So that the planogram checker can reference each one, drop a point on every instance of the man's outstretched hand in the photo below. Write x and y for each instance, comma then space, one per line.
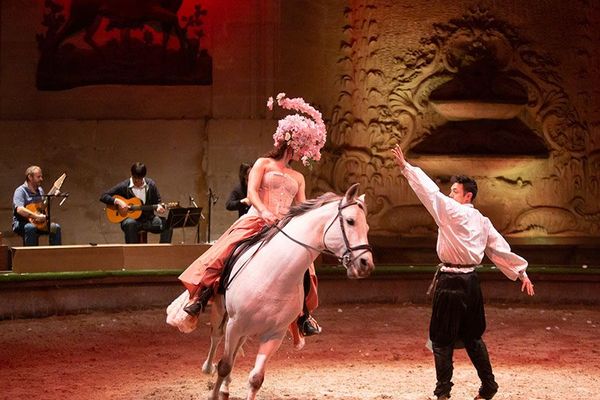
399, 156
527, 286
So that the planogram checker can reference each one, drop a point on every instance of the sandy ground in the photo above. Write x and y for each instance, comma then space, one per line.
365, 352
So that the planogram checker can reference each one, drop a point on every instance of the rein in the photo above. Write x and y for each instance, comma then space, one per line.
347, 257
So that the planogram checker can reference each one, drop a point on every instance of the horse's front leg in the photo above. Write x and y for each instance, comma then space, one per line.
224, 391
217, 330
257, 375
233, 341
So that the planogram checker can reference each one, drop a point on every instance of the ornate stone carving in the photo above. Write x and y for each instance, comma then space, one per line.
390, 96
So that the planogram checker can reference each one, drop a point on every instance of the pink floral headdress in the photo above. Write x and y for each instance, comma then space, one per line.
306, 136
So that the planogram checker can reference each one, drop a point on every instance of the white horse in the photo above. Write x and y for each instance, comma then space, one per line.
264, 293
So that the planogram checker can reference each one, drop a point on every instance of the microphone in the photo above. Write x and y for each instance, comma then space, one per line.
212, 197
193, 202
64, 195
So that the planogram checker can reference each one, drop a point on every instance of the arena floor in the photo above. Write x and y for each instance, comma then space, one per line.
373, 351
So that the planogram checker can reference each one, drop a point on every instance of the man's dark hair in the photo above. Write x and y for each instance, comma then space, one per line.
469, 184
138, 170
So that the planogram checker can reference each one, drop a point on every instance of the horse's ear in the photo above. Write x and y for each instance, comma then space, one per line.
351, 192
361, 198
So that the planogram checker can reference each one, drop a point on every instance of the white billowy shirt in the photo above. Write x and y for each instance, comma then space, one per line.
464, 234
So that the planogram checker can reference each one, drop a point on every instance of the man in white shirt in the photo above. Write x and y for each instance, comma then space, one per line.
464, 236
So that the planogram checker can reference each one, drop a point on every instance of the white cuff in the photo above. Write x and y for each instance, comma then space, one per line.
522, 275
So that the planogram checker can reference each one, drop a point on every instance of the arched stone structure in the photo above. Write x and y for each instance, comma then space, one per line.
469, 75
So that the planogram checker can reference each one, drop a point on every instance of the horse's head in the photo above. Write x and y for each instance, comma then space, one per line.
346, 235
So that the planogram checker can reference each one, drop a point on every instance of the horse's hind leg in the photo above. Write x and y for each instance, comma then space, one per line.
297, 338
217, 329
257, 375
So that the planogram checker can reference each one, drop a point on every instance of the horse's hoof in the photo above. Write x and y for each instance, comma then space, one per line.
299, 345
223, 396
209, 369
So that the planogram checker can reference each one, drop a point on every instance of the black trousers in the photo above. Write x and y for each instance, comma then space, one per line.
457, 319
155, 224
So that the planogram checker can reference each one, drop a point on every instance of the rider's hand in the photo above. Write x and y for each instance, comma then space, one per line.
268, 216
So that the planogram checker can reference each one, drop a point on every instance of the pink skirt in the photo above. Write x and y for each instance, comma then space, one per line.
206, 269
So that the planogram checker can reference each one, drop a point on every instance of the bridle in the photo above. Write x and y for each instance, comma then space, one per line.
347, 258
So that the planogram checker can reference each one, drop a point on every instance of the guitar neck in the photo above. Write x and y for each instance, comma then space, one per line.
145, 207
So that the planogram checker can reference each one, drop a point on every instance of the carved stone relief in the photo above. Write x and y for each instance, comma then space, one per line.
474, 98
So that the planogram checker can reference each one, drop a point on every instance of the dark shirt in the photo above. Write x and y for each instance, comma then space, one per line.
122, 189
234, 201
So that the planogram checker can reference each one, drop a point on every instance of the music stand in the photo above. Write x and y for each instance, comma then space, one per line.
181, 217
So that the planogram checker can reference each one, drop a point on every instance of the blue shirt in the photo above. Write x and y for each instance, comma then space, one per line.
21, 198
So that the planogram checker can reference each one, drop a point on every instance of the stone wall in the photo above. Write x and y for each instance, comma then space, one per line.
382, 72
192, 138
502, 91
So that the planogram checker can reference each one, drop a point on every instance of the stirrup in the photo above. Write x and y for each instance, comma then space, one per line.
308, 325
198, 306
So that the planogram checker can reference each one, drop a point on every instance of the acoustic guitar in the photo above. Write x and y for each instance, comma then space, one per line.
135, 209
41, 206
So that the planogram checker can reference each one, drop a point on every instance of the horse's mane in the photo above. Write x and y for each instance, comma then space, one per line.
308, 205
298, 210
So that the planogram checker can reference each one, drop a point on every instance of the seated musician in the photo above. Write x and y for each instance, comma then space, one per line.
146, 190
30, 222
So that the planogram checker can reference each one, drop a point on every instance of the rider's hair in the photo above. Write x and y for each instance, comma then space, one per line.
277, 152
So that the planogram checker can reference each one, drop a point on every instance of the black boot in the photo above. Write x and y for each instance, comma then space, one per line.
199, 305
308, 325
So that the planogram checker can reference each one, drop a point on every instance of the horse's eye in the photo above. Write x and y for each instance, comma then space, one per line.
350, 221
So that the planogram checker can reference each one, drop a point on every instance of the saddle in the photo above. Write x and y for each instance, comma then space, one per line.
240, 248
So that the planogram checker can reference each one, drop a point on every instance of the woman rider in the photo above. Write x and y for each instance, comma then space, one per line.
272, 188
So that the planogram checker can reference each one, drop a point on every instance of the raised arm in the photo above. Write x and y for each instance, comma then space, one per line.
439, 205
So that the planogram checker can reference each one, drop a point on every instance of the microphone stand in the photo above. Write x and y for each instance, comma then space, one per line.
193, 203
48, 198
212, 199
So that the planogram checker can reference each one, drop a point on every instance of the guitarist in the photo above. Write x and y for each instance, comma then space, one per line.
145, 189
25, 220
